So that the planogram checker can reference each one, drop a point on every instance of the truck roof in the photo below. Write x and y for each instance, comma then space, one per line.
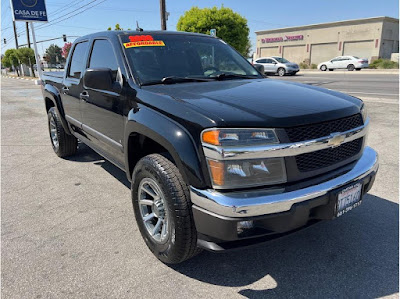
112, 33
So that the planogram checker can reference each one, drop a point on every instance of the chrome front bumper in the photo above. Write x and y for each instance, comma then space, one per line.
263, 202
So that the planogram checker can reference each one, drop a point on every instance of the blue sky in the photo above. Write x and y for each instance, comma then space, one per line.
260, 14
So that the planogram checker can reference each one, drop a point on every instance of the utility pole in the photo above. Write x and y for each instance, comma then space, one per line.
27, 35
163, 15
15, 35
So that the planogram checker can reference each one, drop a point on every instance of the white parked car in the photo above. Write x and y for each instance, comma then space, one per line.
350, 63
277, 65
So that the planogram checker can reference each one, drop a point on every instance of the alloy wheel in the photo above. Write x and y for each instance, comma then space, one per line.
153, 210
53, 133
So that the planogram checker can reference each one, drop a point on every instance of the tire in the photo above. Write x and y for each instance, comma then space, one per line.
331, 70
350, 67
176, 237
64, 145
323, 68
281, 72
358, 69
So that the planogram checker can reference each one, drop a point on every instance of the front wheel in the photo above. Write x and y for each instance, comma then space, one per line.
323, 68
64, 145
281, 72
162, 207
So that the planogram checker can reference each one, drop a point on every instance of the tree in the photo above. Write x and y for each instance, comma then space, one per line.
230, 26
117, 27
26, 56
65, 50
11, 59
53, 54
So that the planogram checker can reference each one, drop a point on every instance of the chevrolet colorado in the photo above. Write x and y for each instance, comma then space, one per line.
218, 155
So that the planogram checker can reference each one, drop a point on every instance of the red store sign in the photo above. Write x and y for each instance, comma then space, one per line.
282, 39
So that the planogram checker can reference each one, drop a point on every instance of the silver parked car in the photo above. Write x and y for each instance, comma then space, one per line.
278, 65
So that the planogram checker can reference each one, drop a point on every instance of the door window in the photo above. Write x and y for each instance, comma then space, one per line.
261, 61
103, 56
269, 61
78, 60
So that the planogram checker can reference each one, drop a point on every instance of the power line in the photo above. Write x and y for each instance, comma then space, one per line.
64, 19
55, 22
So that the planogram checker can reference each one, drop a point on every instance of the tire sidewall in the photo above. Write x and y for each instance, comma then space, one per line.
147, 170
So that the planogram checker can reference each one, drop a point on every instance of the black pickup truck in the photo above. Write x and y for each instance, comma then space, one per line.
218, 155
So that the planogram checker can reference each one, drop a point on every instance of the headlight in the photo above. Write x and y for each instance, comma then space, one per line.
239, 137
233, 174
364, 112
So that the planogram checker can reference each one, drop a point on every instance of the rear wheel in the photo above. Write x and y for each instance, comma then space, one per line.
162, 209
323, 68
64, 145
281, 72
350, 67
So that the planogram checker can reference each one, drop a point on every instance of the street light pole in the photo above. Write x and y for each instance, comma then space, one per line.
163, 15
39, 65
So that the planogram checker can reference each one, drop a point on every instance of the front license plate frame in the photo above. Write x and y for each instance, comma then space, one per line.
348, 198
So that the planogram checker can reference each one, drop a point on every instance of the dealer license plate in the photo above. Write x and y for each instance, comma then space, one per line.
348, 199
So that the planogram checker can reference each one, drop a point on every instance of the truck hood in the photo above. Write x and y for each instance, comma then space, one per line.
260, 102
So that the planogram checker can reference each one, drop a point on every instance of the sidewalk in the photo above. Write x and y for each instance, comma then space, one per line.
363, 71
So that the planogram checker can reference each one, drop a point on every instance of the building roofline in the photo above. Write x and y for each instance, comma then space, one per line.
329, 24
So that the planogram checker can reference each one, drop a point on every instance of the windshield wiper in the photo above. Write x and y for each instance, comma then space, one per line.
224, 76
174, 79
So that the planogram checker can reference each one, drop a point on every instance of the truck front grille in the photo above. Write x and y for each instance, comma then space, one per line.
314, 131
327, 157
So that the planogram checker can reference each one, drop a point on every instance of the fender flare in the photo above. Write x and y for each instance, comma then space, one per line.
52, 93
173, 137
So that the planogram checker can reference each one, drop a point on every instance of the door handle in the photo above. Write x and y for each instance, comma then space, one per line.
84, 96
65, 89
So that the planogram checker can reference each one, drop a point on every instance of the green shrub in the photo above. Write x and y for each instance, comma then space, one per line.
383, 64
303, 65
314, 66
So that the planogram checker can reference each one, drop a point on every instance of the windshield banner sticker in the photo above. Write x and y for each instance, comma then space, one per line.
150, 43
143, 41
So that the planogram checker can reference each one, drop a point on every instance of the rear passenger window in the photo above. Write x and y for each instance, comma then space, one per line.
261, 61
78, 60
103, 56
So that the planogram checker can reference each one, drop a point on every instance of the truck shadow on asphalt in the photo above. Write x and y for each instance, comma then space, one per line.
353, 256
87, 155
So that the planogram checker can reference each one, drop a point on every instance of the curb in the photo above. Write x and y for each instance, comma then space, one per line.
367, 71
19, 78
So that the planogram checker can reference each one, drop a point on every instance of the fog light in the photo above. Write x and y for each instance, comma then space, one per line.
245, 225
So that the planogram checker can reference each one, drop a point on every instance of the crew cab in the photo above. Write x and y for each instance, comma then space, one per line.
218, 155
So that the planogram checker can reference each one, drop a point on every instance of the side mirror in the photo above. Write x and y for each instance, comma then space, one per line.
99, 78
274, 62
259, 68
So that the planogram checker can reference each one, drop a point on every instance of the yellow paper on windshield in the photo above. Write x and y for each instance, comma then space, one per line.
149, 43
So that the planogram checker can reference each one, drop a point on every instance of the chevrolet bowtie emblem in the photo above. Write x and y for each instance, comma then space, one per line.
336, 140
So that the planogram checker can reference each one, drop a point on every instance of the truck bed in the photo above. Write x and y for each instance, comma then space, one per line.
53, 78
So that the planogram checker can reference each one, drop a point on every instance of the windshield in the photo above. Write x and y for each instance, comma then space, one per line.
281, 60
157, 56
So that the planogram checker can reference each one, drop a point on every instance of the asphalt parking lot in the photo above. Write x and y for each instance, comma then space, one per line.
68, 229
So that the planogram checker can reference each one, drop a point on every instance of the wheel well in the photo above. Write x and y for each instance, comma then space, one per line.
49, 103
140, 146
